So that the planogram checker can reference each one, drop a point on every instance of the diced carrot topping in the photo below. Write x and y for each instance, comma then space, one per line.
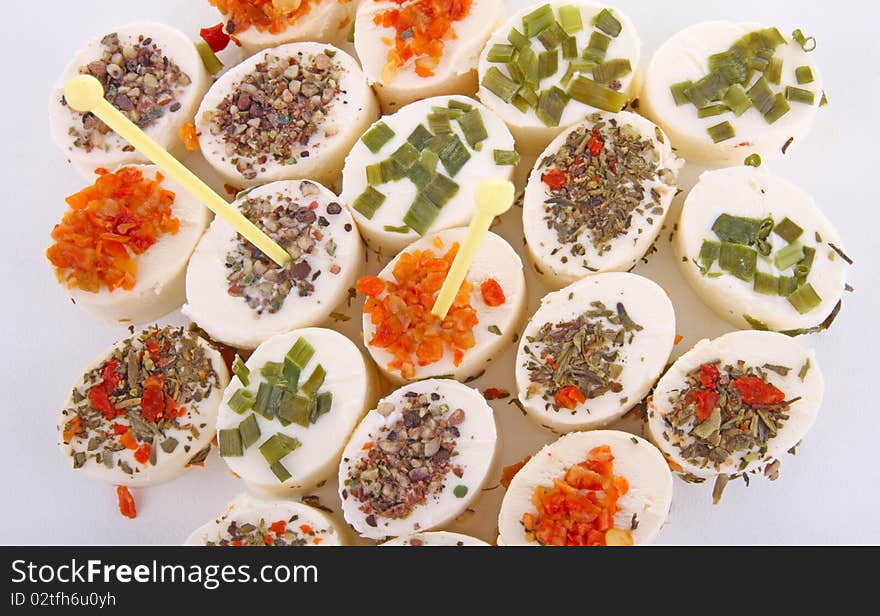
126, 502
271, 16
142, 454
569, 398
107, 226
509, 472
127, 441
371, 286
190, 137
580, 507
317, 540
72, 428
493, 294
306, 529
279, 527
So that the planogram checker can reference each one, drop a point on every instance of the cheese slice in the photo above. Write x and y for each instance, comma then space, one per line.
437, 539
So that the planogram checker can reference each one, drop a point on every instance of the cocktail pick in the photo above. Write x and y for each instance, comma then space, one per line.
493, 197
85, 94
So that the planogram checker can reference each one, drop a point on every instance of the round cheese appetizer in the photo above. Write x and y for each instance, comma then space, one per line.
588, 488
575, 225
258, 24
594, 350
286, 113
409, 343
241, 298
416, 171
123, 246
152, 73
251, 522
759, 252
553, 64
418, 460
412, 50
288, 411
437, 539
146, 409
723, 91
734, 404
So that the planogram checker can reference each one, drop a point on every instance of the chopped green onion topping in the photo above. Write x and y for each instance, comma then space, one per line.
706, 90
241, 371
802, 271
212, 63
712, 111
368, 202
501, 52
608, 23
610, 70
737, 100
241, 401
377, 137
321, 406
440, 190
548, 63
588, 92
678, 92
774, 71
551, 104
290, 374
422, 172
739, 229
461, 105
261, 404
779, 109
597, 47
570, 18
473, 128
788, 230
739, 260
535, 22
787, 285
729, 66
527, 63
500, 84
271, 371
506, 157
420, 137
405, 155
762, 96
789, 256
316, 379
375, 175
552, 36
421, 214
301, 352
393, 229
517, 38
569, 48
766, 284
249, 430
799, 95
295, 409
722, 132
807, 43
804, 75
439, 124
805, 299
754, 160
452, 152
709, 253
278, 446
229, 442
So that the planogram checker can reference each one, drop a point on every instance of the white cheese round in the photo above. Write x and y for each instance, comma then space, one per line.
161, 270
756, 349
467, 464
755, 193
646, 502
562, 262
334, 254
437, 539
191, 432
113, 151
349, 379
496, 260
386, 230
351, 110
304, 526
531, 133
685, 57
641, 352
456, 70
324, 21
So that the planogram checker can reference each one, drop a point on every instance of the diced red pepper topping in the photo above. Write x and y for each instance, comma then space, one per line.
554, 178
279, 527
99, 399
215, 37
493, 294
706, 400
569, 398
596, 143
753, 390
153, 398
126, 502
709, 376
142, 454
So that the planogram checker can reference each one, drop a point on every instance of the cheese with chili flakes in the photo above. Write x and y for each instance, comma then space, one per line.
496, 260
275, 522
436, 539
684, 57
756, 349
177, 47
556, 264
643, 354
437, 55
639, 463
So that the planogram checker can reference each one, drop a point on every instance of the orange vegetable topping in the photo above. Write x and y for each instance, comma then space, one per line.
579, 509
401, 312
190, 137
71, 428
126, 502
493, 294
142, 454
421, 28
278, 527
271, 16
108, 224
570, 398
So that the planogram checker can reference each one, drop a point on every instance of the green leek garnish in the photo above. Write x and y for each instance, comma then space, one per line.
608, 71
779, 109
789, 256
774, 71
261, 404
368, 202
787, 285
375, 176
608, 23
229, 442
729, 66
799, 95
500, 84
527, 63
788, 230
753, 160
249, 430
241, 371
739, 260
501, 52
737, 100
588, 92
570, 18
706, 90
807, 43
473, 128
420, 137
739, 229
548, 63
709, 253
241, 401
439, 124
313, 384
440, 190
301, 353
517, 39
765, 284
551, 104
506, 157
280, 472
421, 214
678, 92
295, 409
552, 36
762, 96
805, 299
712, 111
321, 406
377, 137
535, 22
420, 173
722, 132
804, 75
452, 152
569, 48
278, 446
405, 155
597, 48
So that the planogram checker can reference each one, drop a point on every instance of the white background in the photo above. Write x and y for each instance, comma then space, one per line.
827, 493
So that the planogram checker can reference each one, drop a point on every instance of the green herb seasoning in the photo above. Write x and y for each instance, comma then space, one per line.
585, 353
262, 534
140, 400
299, 226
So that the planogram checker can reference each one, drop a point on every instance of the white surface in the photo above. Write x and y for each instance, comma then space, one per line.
826, 494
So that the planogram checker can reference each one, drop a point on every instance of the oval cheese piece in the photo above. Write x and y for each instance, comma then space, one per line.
289, 411
759, 252
385, 27
734, 404
642, 482
151, 72
416, 171
575, 226
593, 350
241, 300
418, 460
159, 287
145, 409
437, 539
289, 112
321, 21
686, 58
251, 522
552, 64
478, 326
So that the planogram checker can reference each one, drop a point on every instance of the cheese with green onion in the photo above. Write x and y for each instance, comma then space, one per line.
719, 107
759, 252
306, 392
551, 64
415, 172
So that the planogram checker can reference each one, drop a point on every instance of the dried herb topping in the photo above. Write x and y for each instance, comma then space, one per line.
281, 533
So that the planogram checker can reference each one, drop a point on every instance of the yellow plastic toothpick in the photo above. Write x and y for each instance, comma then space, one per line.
86, 94
493, 198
